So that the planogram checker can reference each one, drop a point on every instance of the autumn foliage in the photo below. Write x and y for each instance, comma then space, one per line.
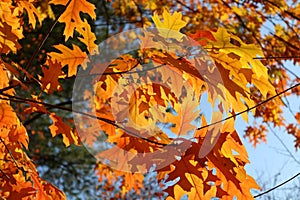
241, 72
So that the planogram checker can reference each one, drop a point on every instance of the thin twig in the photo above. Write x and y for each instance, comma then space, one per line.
276, 57
282, 143
277, 186
108, 121
37, 116
251, 108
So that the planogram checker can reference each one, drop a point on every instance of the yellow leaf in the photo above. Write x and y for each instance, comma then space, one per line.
171, 24
263, 85
45, 10
239, 10
178, 192
245, 54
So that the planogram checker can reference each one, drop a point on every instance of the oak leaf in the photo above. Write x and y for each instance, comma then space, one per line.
60, 127
71, 16
202, 36
8, 40
187, 113
171, 25
247, 54
46, 191
51, 75
10, 28
71, 57
88, 37
32, 12
8, 119
35, 107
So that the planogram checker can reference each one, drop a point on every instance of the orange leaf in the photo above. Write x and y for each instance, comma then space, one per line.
10, 28
297, 117
202, 36
46, 191
4, 79
31, 12
8, 118
59, 127
71, 57
8, 40
18, 134
71, 16
186, 113
51, 76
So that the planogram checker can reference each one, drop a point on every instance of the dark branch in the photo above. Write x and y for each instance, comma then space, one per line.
23, 100
251, 108
277, 186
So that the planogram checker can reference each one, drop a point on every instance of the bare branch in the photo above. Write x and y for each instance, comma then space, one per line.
277, 186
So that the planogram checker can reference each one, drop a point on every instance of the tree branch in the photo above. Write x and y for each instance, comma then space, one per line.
23, 100
277, 186
251, 108
40, 114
